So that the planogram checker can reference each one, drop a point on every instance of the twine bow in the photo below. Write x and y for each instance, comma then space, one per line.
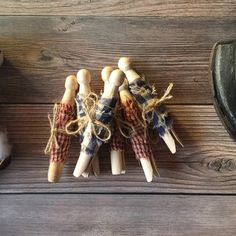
53, 131
90, 103
156, 102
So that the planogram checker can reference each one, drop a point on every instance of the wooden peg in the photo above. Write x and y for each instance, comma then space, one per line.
105, 74
84, 79
115, 80
117, 162
130, 112
56, 167
71, 86
125, 65
116, 156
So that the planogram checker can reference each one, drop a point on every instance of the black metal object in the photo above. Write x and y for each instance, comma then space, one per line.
1, 57
5, 163
223, 80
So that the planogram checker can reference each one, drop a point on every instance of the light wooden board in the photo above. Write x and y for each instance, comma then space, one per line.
120, 8
41, 51
206, 164
108, 215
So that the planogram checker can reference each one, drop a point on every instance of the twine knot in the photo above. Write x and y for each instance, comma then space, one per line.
153, 103
53, 131
90, 103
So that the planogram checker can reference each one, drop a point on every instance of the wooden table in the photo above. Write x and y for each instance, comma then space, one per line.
170, 41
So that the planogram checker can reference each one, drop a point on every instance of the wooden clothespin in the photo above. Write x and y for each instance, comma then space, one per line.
117, 140
92, 142
140, 143
146, 97
84, 79
58, 144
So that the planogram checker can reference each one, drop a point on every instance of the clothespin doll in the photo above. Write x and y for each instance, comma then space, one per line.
59, 141
117, 140
83, 102
147, 99
5, 148
98, 128
139, 141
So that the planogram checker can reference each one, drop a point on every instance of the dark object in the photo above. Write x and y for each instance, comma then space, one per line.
1, 57
223, 79
5, 163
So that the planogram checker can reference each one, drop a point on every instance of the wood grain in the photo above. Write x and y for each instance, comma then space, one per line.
41, 51
117, 215
169, 41
206, 164
120, 8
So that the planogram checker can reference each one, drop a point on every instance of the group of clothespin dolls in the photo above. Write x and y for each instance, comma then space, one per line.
128, 108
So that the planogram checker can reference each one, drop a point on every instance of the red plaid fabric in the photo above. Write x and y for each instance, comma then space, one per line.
64, 114
140, 145
117, 140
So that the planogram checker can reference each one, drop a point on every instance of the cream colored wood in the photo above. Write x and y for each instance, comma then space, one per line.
145, 162
115, 80
55, 168
125, 64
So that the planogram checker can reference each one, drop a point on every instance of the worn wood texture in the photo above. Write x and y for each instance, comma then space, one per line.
41, 51
120, 8
170, 41
117, 215
206, 164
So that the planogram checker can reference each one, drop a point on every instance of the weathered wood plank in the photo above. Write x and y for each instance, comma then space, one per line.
119, 8
117, 215
207, 164
41, 51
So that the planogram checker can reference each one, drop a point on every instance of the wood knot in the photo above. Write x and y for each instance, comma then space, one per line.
45, 56
222, 164
67, 23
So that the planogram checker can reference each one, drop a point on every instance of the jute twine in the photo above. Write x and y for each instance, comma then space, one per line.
155, 102
90, 104
52, 141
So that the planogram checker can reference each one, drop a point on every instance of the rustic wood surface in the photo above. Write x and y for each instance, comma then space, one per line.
169, 41
117, 215
206, 164
41, 51
214, 8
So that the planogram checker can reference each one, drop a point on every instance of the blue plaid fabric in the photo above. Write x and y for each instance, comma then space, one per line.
141, 91
104, 113
79, 104
143, 94
80, 110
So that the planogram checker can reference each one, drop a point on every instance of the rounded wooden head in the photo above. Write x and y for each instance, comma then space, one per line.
116, 78
124, 64
83, 76
71, 83
124, 86
106, 72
